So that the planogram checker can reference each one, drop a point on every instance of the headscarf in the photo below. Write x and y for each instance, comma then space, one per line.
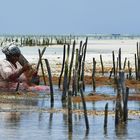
11, 49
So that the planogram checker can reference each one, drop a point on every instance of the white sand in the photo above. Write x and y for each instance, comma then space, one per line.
54, 53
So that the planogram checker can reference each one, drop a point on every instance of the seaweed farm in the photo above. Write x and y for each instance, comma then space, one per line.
94, 89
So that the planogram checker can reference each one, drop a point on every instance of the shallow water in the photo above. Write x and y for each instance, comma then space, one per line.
54, 126
29, 119
108, 90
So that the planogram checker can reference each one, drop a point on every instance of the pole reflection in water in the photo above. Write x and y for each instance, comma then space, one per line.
13, 118
86, 134
105, 132
51, 116
121, 131
50, 121
69, 135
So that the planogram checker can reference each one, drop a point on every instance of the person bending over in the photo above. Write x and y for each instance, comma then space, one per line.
12, 72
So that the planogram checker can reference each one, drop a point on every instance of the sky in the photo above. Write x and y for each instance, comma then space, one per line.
60, 17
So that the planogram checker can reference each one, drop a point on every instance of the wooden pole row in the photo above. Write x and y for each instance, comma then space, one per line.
78, 70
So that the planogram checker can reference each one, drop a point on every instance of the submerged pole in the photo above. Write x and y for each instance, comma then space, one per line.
84, 106
125, 108
69, 112
106, 115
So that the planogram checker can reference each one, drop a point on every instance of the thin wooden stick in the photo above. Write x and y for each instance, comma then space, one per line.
93, 75
40, 57
17, 86
106, 115
102, 64
43, 74
84, 106
50, 79
71, 64
60, 77
69, 112
125, 108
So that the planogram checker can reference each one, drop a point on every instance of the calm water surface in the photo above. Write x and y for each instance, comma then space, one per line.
27, 119
53, 126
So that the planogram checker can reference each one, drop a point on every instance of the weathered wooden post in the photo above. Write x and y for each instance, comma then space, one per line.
122, 82
84, 105
74, 83
40, 57
79, 70
114, 67
129, 71
136, 67
138, 57
42, 68
71, 64
106, 115
117, 66
102, 66
65, 81
17, 87
93, 75
80, 49
110, 73
124, 63
83, 62
50, 80
119, 57
125, 108
118, 109
75, 75
69, 112
60, 77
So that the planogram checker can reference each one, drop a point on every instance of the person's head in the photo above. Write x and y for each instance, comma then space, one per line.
12, 52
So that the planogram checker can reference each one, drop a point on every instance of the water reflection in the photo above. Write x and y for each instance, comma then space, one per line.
12, 119
109, 90
86, 134
70, 136
50, 121
105, 131
54, 125
23, 125
121, 131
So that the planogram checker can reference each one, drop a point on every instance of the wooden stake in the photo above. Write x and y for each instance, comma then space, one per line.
60, 77
84, 106
106, 115
50, 79
69, 112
